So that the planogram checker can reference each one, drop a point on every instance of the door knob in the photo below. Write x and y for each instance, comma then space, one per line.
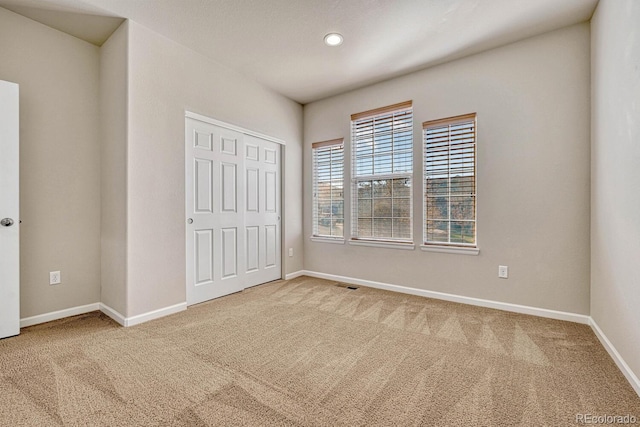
189, 221
6, 222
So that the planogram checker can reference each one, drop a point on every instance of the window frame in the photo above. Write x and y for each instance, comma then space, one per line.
382, 113
450, 247
331, 145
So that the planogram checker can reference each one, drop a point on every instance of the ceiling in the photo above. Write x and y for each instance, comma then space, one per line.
279, 43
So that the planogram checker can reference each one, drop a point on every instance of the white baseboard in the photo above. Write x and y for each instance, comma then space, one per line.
505, 306
294, 275
115, 315
119, 318
141, 318
60, 314
155, 314
617, 358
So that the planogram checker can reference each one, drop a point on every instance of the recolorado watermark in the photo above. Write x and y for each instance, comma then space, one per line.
605, 419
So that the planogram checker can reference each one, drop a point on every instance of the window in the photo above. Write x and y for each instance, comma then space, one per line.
328, 191
382, 145
450, 181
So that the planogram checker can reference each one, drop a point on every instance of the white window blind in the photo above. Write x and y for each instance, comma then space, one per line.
450, 181
328, 190
382, 146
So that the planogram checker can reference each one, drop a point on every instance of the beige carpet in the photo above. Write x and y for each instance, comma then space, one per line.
307, 352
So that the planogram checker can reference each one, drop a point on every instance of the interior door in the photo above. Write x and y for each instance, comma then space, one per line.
9, 211
215, 203
262, 215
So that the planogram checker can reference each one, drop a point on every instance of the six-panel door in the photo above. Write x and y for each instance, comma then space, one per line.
233, 211
262, 214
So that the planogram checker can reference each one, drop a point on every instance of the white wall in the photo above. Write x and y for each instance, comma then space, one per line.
59, 162
615, 175
532, 101
113, 119
165, 79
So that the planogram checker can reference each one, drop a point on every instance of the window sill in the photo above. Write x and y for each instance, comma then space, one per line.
334, 240
450, 249
379, 244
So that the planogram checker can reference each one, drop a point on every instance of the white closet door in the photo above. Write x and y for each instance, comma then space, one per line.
9, 211
233, 211
215, 203
262, 216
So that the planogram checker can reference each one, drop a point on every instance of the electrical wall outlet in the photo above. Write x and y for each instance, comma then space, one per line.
290, 252
503, 272
54, 278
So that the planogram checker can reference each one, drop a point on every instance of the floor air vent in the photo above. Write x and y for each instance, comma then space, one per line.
343, 285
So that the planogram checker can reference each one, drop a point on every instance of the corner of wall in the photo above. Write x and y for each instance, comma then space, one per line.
615, 130
114, 76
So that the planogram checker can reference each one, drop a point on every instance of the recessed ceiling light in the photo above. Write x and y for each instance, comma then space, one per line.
333, 39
